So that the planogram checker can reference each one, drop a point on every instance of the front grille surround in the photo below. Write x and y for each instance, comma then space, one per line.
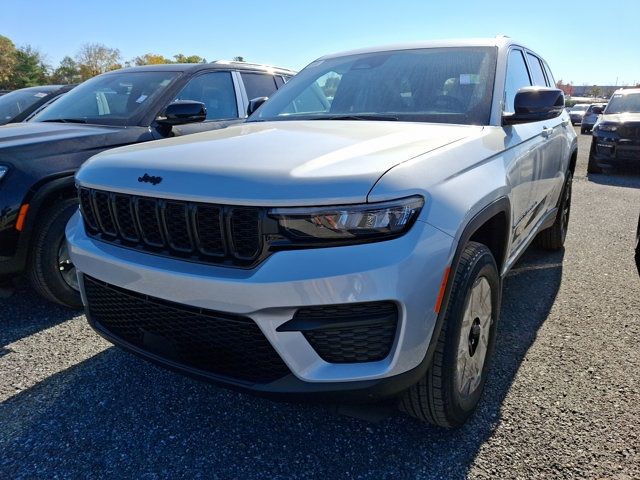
194, 231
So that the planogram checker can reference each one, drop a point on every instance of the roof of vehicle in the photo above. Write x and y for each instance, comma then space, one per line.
626, 91
500, 41
217, 65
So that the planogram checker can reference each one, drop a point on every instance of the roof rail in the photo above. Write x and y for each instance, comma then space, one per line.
250, 64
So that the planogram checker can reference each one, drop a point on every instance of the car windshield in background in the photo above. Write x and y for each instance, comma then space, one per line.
14, 103
621, 103
580, 108
111, 99
443, 85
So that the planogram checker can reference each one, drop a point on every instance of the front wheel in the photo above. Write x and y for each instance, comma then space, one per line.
592, 165
51, 271
450, 390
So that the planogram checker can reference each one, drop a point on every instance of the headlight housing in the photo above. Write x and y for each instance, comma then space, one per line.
3, 171
348, 223
607, 127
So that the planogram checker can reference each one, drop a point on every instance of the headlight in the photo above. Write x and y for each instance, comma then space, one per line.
348, 223
607, 127
3, 171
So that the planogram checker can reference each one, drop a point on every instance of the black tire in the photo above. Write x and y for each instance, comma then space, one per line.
592, 165
435, 398
553, 238
44, 269
583, 131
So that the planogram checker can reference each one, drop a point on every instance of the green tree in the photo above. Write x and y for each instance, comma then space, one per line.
67, 72
30, 68
595, 91
181, 58
7, 61
151, 59
239, 59
96, 58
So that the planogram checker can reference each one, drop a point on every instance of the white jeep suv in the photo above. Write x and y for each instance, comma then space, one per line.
349, 240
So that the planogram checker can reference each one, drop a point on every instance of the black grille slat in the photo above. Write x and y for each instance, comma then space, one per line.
213, 342
209, 230
125, 217
148, 217
177, 224
198, 232
102, 203
244, 226
86, 207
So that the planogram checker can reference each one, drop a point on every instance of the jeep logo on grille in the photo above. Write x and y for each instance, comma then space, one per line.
146, 178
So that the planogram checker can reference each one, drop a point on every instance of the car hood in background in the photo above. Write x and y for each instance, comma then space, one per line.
33, 140
621, 117
272, 163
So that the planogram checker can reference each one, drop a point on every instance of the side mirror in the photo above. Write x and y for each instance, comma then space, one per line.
255, 104
534, 104
597, 110
182, 112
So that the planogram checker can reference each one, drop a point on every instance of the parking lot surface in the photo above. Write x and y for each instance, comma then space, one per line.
562, 401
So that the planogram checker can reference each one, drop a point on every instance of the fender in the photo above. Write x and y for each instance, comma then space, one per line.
36, 201
500, 205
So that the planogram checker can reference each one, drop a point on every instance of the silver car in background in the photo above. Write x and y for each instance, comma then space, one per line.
577, 112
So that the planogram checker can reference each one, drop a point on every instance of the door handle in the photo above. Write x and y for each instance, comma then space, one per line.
546, 131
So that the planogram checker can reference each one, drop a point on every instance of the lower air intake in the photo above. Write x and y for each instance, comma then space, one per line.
222, 344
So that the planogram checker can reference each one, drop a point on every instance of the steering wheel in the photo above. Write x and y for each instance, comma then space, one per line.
449, 103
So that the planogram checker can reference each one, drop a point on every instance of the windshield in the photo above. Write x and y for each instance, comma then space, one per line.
111, 99
443, 85
580, 108
621, 103
14, 103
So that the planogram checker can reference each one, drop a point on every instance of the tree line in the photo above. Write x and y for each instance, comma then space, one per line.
25, 66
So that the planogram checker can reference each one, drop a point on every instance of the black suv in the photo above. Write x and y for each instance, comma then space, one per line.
616, 134
38, 159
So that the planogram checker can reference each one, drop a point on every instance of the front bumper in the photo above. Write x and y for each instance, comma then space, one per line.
611, 150
407, 270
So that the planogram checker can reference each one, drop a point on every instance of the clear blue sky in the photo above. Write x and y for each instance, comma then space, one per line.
581, 40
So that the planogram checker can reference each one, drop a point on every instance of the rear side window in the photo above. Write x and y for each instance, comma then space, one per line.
215, 90
517, 78
552, 81
537, 73
258, 84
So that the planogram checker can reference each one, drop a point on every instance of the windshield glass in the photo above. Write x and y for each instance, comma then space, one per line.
444, 85
14, 103
620, 103
111, 99
580, 108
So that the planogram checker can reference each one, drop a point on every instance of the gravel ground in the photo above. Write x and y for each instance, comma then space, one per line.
563, 400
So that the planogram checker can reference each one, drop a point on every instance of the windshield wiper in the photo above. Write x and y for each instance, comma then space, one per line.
66, 120
362, 116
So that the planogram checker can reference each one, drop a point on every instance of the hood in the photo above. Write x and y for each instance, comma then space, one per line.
280, 163
43, 139
621, 117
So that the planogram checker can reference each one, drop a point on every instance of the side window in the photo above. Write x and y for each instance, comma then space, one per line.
258, 84
552, 81
279, 81
216, 91
536, 70
517, 78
